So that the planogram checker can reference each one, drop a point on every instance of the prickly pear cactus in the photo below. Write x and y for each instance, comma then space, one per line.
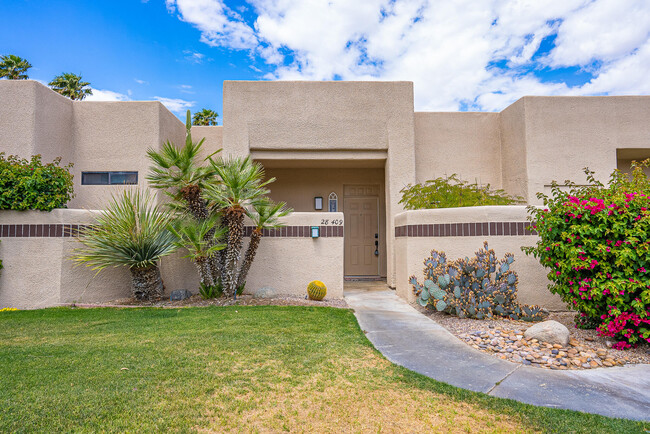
467, 288
316, 290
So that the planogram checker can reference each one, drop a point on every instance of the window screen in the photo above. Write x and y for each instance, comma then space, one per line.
123, 177
109, 178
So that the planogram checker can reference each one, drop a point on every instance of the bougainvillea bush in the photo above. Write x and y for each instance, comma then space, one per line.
594, 240
30, 184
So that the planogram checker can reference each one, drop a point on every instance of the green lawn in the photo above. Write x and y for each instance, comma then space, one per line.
260, 369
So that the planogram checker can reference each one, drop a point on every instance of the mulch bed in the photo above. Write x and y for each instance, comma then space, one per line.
242, 300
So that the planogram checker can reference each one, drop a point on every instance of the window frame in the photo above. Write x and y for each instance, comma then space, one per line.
110, 176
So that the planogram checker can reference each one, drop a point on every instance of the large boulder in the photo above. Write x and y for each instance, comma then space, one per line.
549, 331
180, 294
265, 292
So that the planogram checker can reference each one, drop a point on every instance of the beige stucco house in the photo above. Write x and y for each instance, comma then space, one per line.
350, 146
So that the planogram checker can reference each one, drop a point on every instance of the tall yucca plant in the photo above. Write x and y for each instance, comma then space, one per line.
178, 171
132, 231
241, 184
201, 239
265, 215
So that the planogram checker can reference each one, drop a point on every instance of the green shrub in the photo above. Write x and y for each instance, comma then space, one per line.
30, 184
594, 240
452, 192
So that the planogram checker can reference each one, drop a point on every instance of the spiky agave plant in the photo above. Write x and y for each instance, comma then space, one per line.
132, 231
266, 215
180, 174
242, 182
201, 239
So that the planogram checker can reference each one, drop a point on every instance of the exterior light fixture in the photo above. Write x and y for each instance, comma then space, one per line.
318, 203
315, 232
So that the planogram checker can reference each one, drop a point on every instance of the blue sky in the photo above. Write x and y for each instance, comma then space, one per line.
460, 54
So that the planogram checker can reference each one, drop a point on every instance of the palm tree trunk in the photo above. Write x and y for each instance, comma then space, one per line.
233, 249
249, 256
147, 283
205, 274
218, 259
195, 202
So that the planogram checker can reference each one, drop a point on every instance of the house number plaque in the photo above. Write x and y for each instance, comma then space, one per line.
328, 222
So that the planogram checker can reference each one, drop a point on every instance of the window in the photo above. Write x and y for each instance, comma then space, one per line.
333, 202
109, 178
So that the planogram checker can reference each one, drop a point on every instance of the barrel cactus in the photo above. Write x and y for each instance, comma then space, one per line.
467, 288
316, 290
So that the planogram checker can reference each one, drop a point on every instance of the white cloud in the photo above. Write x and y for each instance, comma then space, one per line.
186, 88
448, 48
604, 30
219, 25
194, 56
175, 105
140, 81
106, 95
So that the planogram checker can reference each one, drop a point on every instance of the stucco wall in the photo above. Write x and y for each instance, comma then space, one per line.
514, 171
113, 136
565, 134
412, 250
468, 144
213, 136
38, 274
34, 120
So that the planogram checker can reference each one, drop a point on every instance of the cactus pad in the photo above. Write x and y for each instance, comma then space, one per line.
316, 290
480, 287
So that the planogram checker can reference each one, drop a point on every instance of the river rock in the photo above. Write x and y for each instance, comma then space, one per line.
548, 331
265, 292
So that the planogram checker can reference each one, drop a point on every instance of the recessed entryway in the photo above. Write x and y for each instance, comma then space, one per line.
361, 211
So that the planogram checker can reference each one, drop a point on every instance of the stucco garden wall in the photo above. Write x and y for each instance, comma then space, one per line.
460, 232
467, 144
35, 246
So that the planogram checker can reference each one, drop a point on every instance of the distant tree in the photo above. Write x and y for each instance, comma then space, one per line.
13, 67
205, 117
70, 85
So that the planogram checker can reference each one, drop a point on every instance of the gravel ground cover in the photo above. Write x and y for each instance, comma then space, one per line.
503, 338
242, 300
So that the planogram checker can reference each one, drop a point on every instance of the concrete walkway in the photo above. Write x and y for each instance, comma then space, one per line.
410, 339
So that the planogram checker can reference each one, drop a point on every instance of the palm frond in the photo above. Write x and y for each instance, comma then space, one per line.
241, 183
175, 168
199, 238
266, 213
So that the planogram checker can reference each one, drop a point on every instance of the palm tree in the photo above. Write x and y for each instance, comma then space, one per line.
266, 215
201, 239
241, 184
70, 85
13, 67
132, 231
205, 117
179, 173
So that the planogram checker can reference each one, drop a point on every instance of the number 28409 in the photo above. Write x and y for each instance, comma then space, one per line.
335, 222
